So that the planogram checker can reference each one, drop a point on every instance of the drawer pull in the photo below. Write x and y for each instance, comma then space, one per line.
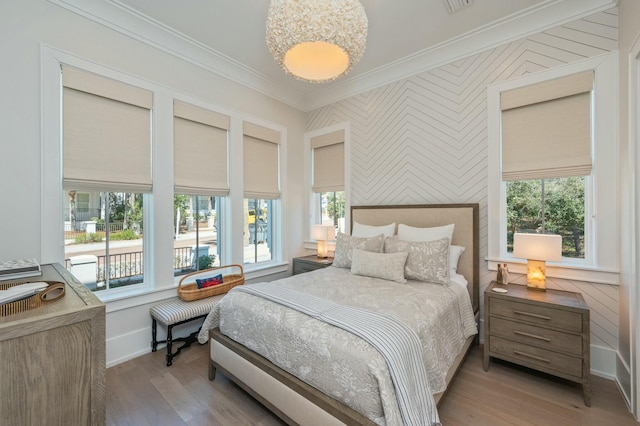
532, 356
528, 314
533, 336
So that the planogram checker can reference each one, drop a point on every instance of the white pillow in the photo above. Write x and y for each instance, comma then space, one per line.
365, 231
458, 280
410, 233
387, 266
454, 256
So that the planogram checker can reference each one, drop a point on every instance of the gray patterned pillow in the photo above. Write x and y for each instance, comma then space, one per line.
388, 266
427, 261
345, 245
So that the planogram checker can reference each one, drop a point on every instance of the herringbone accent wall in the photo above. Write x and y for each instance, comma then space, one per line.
424, 139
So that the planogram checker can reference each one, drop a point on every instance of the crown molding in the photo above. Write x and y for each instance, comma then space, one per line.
114, 15
528, 22
118, 17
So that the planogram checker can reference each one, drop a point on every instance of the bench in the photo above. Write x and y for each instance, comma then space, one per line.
176, 312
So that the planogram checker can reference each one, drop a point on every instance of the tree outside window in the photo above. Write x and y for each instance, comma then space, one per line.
551, 206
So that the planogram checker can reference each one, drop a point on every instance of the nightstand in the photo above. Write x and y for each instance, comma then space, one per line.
310, 263
544, 330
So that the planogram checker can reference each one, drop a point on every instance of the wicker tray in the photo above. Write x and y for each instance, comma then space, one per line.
188, 289
55, 291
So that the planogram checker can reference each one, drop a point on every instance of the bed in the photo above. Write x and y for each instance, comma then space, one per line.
263, 363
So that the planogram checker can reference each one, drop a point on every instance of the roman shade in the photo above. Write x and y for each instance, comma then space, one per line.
546, 129
261, 153
106, 133
200, 150
328, 162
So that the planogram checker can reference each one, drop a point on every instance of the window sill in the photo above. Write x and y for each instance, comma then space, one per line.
567, 272
126, 298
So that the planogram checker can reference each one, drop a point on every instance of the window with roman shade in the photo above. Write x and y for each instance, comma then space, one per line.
106, 133
546, 129
261, 155
328, 162
200, 150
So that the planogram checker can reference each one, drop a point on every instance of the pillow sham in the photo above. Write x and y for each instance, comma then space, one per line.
458, 279
209, 281
387, 266
454, 257
345, 244
411, 233
426, 261
361, 230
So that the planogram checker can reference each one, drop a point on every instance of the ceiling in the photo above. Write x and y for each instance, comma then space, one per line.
404, 37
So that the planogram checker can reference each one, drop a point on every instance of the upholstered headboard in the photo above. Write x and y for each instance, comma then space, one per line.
465, 217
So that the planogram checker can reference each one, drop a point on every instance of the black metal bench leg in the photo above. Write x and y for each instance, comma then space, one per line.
154, 335
169, 344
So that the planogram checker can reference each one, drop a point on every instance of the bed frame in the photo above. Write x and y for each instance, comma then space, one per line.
296, 402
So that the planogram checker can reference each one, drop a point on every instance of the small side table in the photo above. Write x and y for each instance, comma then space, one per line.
310, 263
547, 331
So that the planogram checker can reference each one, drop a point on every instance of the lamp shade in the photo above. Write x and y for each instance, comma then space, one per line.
323, 232
545, 247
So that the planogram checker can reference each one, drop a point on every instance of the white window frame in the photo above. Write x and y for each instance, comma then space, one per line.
601, 218
312, 197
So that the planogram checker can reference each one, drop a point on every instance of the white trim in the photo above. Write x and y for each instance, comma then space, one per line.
118, 17
603, 230
634, 215
568, 272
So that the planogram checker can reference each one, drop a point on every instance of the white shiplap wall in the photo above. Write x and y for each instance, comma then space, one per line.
424, 139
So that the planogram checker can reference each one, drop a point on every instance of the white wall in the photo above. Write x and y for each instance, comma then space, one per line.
27, 25
629, 31
424, 140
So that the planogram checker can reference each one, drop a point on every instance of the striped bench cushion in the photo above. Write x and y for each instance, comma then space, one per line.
174, 311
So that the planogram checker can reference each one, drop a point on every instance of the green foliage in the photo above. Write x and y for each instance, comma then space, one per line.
205, 262
334, 202
562, 212
127, 234
94, 237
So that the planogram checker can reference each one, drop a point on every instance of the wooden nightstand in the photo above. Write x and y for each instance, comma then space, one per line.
310, 263
544, 330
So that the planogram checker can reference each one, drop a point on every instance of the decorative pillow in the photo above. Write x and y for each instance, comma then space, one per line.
427, 261
410, 233
387, 266
209, 281
365, 231
345, 245
454, 256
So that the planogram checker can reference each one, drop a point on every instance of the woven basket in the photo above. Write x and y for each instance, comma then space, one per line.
188, 290
55, 290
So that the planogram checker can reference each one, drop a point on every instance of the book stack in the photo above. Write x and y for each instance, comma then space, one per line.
21, 268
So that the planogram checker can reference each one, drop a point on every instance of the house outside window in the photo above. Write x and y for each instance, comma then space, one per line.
196, 239
258, 233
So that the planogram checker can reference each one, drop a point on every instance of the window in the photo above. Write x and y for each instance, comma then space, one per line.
106, 178
258, 234
331, 209
196, 244
106, 251
523, 195
261, 153
327, 156
548, 206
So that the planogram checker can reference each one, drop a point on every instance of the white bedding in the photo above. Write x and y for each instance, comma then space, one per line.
335, 361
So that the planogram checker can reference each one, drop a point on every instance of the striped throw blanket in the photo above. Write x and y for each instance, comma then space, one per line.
398, 344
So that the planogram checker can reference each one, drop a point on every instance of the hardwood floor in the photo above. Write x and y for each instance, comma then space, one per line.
144, 391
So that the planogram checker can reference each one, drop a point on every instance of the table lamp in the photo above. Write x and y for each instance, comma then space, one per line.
322, 234
537, 249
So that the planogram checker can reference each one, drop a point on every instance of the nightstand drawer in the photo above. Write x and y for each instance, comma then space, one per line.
537, 314
537, 336
537, 358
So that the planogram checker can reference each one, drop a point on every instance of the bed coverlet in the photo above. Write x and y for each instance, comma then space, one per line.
334, 360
